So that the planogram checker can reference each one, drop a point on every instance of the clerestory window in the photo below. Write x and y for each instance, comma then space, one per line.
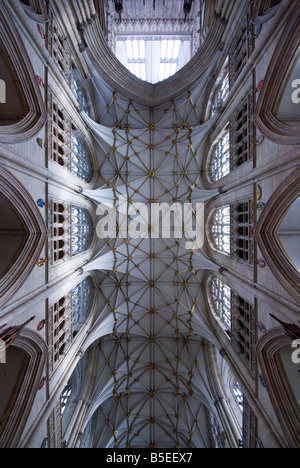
154, 58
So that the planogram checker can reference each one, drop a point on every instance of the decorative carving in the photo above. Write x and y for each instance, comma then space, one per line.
9, 335
291, 330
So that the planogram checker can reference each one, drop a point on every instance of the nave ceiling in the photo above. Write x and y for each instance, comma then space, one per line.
151, 306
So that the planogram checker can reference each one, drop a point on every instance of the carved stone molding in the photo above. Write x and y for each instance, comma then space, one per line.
37, 10
35, 348
25, 79
36, 231
266, 234
269, 99
267, 350
264, 10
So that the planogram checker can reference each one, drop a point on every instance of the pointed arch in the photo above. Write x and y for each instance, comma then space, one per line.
268, 354
31, 350
266, 234
264, 10
36, 9
25, 257
22, 81
266, 113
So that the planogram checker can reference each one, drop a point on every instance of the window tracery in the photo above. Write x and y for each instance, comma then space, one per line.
58, 47
67, 316
221, 91
78, 90
220, 158
81, 230
67, 147
250, 426
242, 231
81, 300
244, 330
241, 131
81, 165
221, 296
71, 231
221, 230
231, 231
238, 319
242, 46
238, 395
65, 397
235, 145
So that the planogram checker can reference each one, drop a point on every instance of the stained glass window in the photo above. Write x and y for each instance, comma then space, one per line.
153, 58
221, 296
221, 230
81, 229
65, 397
81, 300
80, 164
220, 158
78, 91
220, 95
238, 395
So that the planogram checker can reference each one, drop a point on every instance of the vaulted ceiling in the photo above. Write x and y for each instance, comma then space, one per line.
150, 388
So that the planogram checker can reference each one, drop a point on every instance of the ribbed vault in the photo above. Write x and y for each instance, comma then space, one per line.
150, 387
151, 392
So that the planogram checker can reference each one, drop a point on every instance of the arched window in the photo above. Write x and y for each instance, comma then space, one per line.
238, 318
221, 297
221, 230
81, 300
81, 165
242, 46
220, 91
68, 148
71, 231
65, 398
220, 158
244, 330
238, 395
235, 145
231, 231
59, 47
67, 316
78, 90
242, 227
81, 230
